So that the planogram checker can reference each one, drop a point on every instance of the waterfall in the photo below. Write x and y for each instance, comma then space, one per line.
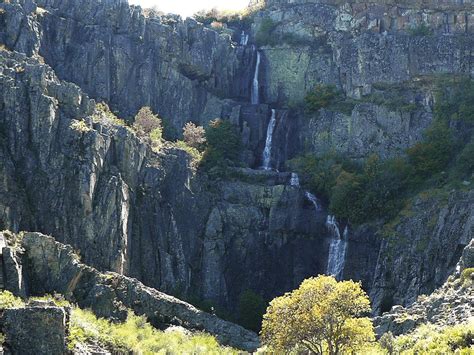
337, 248
313, 199
254, 92
267, 152
295, 180
244, 39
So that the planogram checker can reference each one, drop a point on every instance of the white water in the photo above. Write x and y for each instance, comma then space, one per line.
313, 199
267, 152
244, 39
254, 95
295, 180
337, 248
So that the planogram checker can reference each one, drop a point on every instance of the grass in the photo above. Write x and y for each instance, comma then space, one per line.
135, 335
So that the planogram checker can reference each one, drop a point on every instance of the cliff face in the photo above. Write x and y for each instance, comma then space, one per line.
148, 215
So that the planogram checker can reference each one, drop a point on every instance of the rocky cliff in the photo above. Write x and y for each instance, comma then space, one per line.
69, 171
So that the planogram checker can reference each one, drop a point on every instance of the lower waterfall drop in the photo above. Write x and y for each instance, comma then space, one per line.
267, 152
337, 248
294, 180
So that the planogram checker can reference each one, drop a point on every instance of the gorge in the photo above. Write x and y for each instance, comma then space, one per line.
80, 174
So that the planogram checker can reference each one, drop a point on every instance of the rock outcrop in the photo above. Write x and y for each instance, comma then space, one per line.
35, 329
421, 249
449, 305
143, 214
50, 267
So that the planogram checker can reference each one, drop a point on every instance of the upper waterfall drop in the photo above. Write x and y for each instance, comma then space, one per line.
267, 152
337, 248
254, 97
313, 199
244, 39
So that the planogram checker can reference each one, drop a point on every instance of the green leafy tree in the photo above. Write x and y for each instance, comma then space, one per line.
434, 153
322, 316
223, 144
322, 96
251, 309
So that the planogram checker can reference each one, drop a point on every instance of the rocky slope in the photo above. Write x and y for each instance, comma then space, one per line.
449, 305
146, 215
70, 172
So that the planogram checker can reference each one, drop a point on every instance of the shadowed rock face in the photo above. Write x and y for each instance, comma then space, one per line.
143, 214
148, 215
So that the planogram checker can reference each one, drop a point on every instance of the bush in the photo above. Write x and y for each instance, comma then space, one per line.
251, 310
104, 115
432, 154
223, 144
8, 300
264, 35
464, 165
193, 135
321, 316
321, 97
420, 30
149, 126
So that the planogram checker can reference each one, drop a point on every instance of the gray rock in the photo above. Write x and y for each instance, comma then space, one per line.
35, 330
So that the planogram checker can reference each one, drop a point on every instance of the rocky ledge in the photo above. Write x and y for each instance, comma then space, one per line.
48, 267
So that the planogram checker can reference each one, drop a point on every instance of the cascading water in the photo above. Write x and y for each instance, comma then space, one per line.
313, 199
267, 152
244, 39
254, 95
337, 248
295, 180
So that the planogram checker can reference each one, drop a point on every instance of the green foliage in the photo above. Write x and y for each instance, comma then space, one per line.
195, 154
421, 30
136, 335
455, 100
264, 35
251, 309
432, 154
464, 165
321, 97
8, 300
223, 146
467, 275
321, 316
104, 115
80, 126
429, 339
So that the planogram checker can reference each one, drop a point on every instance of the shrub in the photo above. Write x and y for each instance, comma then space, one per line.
467, 275
8, 300
193, 135
223, 144
432, 154
104, 115
321, 97
264, 35
79, 126
136, 335
149, 126
321, 316
251, 310
420, 30
464, 165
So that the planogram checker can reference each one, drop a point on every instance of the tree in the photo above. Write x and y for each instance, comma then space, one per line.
223, 143
322, 316
193, 135
251, 310
148, 125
